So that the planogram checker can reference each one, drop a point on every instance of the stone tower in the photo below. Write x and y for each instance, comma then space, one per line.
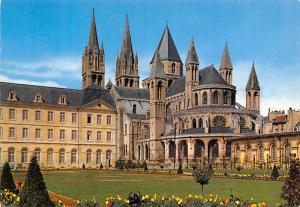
158, 89
226, 66
169, 57
192, 74
126, 63
253, 91
93, 67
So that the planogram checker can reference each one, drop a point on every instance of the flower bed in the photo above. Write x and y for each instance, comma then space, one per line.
8, 198
146, 200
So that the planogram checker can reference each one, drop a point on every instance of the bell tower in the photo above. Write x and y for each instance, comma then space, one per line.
226, 66
93, 68
157, 89
253, 91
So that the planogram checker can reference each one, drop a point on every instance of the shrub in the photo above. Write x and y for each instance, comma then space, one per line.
119, 164
101, 166
83, 166
238, 168
180, 171
202, 177
275, 173
7, 180
34, 193
291, 188
161, 166
145, 166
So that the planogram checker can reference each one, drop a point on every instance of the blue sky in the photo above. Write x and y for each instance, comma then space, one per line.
42, 41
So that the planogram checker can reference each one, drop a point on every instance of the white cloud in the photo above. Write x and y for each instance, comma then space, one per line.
22, 81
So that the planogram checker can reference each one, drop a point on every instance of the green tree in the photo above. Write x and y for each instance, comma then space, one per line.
291, 188
275, 173
34, 193
7, 180
202, 177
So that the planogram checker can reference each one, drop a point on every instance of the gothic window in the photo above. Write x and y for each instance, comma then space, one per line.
126, 82
170, 83
159, 90
134, 109
194, 123
261, 153
287, 152
172, 149
219, 121
131, 83
173, 68
225, 97
242, 122
196, 99
273, 152
204, 98
200, 123
228, 149
215, 97
199, 147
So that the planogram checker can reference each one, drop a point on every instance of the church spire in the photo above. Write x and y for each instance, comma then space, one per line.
93, 38
157, 68
253, 80
126, 49
192, 57
226, 66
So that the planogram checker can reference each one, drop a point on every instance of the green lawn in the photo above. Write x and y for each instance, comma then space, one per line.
98, 184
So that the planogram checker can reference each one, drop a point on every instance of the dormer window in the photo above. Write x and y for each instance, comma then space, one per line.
12, 96
62, 100
38, 98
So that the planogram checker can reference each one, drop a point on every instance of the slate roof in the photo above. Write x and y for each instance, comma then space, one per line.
50, 95
93, 38
126, 50
220, 130
208, 75
135, 93
157, 68
192, 57
253, 80
166, 47
193, 131
298, 124
226, 60
137, 116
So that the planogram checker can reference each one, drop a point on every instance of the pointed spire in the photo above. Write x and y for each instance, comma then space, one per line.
109, 85
157, 68
93, 38
253, 80
166, 47
126, 49
226, 61
192, 57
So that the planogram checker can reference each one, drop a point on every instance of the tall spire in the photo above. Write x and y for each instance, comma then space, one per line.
226, 61
253, 80
192, 57
166, 47
157, 68
126, 42
93, 38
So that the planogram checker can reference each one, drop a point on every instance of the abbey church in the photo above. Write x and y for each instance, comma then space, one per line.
166, 119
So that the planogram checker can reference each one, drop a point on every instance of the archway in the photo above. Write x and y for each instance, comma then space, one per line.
199, 149
213, 149
182, 149
172, 149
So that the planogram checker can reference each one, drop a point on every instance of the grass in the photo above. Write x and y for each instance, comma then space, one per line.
88, 184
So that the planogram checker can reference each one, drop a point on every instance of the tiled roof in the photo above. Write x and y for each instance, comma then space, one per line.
50, 95
157, 68
253, 80
280, 119
136, 93
176, 87
192, 57
226, 61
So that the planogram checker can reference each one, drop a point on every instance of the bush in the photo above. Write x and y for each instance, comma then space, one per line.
238, 168
161, 166
7, 180
202, 177
83, 166
34, 193
180, 171
119, 164
275, 173
145, 166
291, 188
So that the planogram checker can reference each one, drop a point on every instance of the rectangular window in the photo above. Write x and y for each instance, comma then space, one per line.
50, 133
62, 117
108, 138
12, 114
74, 134
89, 135
37, 133
74, 118
24, 155
89, 118
25, 133
50, 116
38, 115
49, 156
11, 155
1, 131
108, 121
62, 134
11, 132
99, 136
98, 119
1, 113
25, 114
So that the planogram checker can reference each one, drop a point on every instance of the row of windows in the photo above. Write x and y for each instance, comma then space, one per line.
50, 134
61, 155
12, 96
62, 116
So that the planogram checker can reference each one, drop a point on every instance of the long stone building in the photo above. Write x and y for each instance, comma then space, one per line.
190, 119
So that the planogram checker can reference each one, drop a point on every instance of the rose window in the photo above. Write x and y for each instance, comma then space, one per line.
219, 121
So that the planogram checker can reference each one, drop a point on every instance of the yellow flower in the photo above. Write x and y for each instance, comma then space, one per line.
106, 202
190, 195
237, 202
221, 203
254, 205
152, 200
143, 198
126, 201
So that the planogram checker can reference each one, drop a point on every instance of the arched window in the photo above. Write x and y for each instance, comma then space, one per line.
159, 90
50, 156
37, 154
204, 98
11, 154
61, 156
173, 68
108, 158
261, 153
215, 97
242, 122
194, 123
126, 82
199, 149
196, 99
273, 152
134, 109
24, 155
200, 123
89, 156
228, 149
172, 149
98, 156
287, 152
131, 83
225, 97
73, 156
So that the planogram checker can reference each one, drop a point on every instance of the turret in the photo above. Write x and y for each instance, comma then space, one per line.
253, 91
226, 66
